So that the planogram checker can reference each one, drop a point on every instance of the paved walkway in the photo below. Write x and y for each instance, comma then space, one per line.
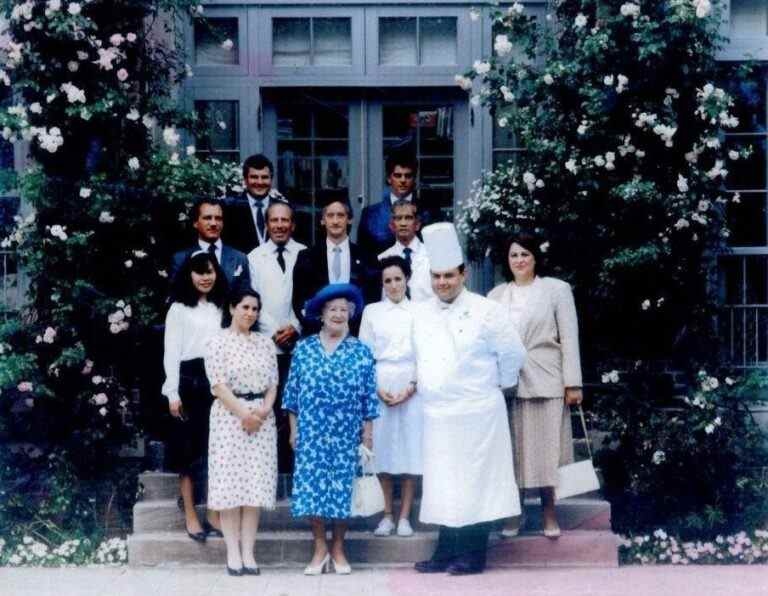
625, 581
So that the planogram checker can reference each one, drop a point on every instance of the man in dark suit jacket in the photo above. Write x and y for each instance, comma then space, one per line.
247, 215
208, 220
333, 260
374, 234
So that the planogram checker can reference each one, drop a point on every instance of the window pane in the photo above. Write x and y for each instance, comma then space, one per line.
503, 138
209, 37
438, 40
333, 42
290, 42
749, 173
397, 39
293, 123
746, 220
332, 123
220, 126
749, 18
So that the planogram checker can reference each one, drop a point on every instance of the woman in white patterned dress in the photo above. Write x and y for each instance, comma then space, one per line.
386, 329
242, 454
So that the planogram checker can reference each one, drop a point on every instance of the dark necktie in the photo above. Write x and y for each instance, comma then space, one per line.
212, 251
407, 254
260, 217
280, 258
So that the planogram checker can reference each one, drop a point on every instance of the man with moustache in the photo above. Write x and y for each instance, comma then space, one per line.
336, 259
271, 266
248, 214
208, 220
467, 353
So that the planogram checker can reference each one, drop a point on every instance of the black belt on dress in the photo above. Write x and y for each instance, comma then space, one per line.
250, 396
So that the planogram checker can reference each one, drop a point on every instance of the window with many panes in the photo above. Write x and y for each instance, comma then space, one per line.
418, 41
313, 159
744, 272
311, 41
220, 125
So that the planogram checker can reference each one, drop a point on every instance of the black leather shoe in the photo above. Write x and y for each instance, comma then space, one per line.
251, 571
464, 567
211, 531
197, 536
235, 572
432, 566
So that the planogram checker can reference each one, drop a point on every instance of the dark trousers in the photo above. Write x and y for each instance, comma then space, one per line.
467, 542
284, 451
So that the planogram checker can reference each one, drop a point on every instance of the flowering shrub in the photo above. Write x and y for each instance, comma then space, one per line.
91, 82
693, 464
660, 548
32, 552
620, 114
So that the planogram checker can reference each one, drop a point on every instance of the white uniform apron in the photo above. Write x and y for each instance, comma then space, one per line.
468, 470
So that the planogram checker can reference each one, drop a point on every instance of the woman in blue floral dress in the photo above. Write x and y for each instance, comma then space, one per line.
331, 399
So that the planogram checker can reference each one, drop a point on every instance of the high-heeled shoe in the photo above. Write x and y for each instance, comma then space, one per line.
235, 572
251, 570
341, 569
320, 568
196, 536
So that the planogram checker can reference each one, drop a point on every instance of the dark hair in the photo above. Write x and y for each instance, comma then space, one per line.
274, 202
403, 159
257, 162
344, 200
530, 242
195, 212
396, 261
401, 203
184, 291
235, 298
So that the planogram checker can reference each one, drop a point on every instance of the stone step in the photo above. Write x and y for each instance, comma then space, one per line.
575, 513
290, 549
578, 548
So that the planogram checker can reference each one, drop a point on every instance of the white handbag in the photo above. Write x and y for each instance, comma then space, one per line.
367, 496
579, 477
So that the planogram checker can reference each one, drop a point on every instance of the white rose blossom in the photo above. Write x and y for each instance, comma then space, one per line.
122, 75
106, 217
481, 68
580, 21
227, 44
502, 46
74, 9
133, 163
85, 192
463, 82
630, 10
682, 183
133, 115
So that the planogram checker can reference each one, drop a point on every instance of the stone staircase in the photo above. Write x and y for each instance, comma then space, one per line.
159, 538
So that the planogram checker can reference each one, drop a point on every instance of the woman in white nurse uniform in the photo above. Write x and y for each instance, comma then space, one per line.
386, 329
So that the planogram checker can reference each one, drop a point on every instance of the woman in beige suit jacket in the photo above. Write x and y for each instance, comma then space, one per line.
550, 380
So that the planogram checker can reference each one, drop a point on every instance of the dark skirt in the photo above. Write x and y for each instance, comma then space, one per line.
187, 445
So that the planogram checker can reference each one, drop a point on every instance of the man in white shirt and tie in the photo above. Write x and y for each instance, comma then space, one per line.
404, 223
249, 214
271, 265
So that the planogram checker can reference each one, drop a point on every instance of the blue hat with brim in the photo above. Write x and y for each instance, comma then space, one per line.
313, 308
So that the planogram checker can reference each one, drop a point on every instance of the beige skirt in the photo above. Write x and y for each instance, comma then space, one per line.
542, 439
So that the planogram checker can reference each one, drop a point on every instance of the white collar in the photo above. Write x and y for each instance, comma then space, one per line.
204, 244
271, 247
403, 304
343, 245
415, 245
394, 198
456, 301
265, 199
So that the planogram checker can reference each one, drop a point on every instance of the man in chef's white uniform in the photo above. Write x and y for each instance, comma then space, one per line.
468, 352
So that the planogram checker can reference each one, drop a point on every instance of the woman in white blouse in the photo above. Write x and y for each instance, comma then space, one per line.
386, 329
194, 318
550, 381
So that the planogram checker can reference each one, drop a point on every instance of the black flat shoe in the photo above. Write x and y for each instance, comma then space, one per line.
251, 571
432, 566
210, 530
235, 572
197, 536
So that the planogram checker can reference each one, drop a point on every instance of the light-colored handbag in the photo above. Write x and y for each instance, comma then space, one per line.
367, 496
579, 477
